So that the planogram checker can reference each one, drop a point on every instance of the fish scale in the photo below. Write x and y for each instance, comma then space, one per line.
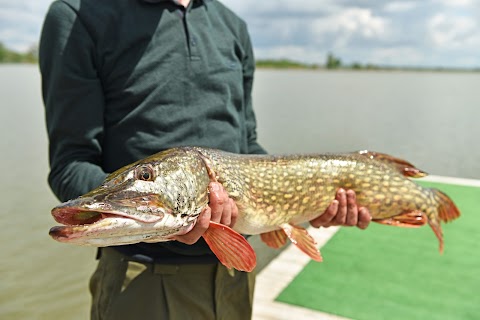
296, 188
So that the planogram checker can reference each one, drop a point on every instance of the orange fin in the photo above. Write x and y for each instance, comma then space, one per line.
300, 237
447, 210
408, 219
437, 229
405, 167
274, 239
230, 247
208, 165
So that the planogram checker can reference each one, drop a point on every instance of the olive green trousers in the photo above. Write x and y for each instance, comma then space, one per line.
126, 290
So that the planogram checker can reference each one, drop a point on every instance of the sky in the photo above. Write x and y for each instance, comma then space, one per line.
428, 33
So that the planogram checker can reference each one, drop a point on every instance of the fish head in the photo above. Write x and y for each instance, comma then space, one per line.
151, 200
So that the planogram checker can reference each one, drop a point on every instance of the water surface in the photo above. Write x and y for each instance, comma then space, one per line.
428, 118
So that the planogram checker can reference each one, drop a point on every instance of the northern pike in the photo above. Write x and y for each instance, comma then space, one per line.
161, 196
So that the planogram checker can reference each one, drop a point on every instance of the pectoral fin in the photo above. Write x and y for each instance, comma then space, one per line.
274, 239
230, 247
300, 237
408, 219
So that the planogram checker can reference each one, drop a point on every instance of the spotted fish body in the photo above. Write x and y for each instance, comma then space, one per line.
273, 194
271, 190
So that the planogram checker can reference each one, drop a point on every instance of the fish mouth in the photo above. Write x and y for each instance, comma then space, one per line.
100, 225
77, 221
87, 210
78, 216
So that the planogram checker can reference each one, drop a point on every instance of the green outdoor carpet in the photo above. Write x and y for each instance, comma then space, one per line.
391, 273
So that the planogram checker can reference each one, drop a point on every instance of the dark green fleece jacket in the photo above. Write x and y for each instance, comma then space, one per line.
123, 79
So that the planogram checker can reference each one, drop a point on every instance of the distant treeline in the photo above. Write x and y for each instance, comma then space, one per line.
335, 63
11, 56
284, 64
332, 62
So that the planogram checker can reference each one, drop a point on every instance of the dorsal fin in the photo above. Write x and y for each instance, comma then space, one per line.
405, 167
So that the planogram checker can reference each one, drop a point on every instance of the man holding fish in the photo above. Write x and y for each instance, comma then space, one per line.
125, 79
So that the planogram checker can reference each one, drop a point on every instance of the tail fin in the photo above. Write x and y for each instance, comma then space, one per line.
446, 212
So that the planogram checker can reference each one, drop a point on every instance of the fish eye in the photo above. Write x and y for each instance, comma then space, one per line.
145, 173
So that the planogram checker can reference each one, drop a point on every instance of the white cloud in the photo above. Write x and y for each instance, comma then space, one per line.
400, 6
274, 7
352, 20
449, 31
21, 22
350, 23
456, 3
445, 32
362, 21
406, 56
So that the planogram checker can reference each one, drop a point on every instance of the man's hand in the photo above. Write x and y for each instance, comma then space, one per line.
343, 211
221, 209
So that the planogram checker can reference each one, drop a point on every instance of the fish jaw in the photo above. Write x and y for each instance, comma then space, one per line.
100, 219
103, 229
86, 210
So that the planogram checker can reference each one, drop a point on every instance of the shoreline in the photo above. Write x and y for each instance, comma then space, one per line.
291, 65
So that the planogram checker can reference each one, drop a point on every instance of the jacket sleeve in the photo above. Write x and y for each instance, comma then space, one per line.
74, 103
250, 120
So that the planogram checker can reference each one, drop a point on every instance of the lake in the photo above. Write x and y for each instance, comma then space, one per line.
431, 119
